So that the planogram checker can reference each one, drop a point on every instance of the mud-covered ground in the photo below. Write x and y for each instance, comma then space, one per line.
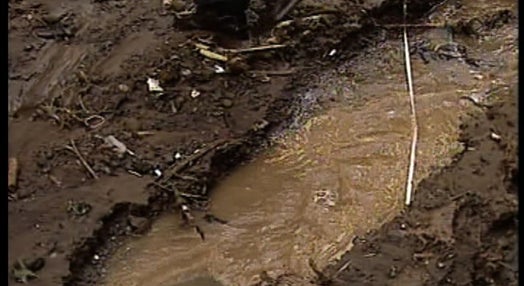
95, 155
462, 226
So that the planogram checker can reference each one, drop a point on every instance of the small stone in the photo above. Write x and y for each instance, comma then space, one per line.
226, 102
123, 88
138, 224
177, 5
54, 17
28, 48
393, 272
441, 265
237, 65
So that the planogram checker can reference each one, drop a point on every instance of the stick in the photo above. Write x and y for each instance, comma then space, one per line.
393, 26
286, 9
75, 150
12, 178
212, 55
255, 49
175, 169
273, 72
182, 194
411, 171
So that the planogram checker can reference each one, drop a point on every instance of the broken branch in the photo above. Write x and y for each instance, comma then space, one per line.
75, 150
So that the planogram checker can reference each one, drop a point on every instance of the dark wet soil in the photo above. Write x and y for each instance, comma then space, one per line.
78, 74
462, 226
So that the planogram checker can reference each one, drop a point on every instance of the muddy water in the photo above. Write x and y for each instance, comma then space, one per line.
339, 176
342, 173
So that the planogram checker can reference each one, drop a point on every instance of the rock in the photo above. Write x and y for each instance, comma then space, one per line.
237, 65
12, 177
226, 102
177, 5
36, 265
123, 88
54, 17
138, 224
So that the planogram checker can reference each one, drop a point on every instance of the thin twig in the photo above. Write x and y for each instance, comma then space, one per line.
274, 72
212, 55
75, 150
411, 171
177, 168
403, 26
255, 49
178, 193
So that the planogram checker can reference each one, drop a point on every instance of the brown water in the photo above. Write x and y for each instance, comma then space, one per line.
341, 174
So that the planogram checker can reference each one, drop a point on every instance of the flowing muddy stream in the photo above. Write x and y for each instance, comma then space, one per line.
340, 174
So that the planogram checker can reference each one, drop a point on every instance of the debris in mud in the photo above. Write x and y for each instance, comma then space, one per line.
185, 213
139, 225
477, 26
495, 136
212, 55
219, 69
154, 86
212, 218
72, 147
119, 147
227, 102
477, 98
326, 197
12, 178
24, 272
123, 88
195, 93
200, 232
94, 121
78, 209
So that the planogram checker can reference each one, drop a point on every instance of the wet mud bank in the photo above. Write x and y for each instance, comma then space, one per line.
89, 138
461, 228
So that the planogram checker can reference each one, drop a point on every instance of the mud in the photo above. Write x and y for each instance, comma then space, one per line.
462, 228
77, 74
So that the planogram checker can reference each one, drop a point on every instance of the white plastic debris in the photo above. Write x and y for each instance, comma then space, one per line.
195, 93
495, 136
118, 146
96, 257
219, 69
332, 52
157, 172
178, 156
186, 72
154, 85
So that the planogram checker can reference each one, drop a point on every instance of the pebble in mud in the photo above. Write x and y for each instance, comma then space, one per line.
54, 17
123, 88
226, 102
177, 5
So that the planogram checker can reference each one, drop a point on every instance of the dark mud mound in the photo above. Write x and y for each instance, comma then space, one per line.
462, 227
